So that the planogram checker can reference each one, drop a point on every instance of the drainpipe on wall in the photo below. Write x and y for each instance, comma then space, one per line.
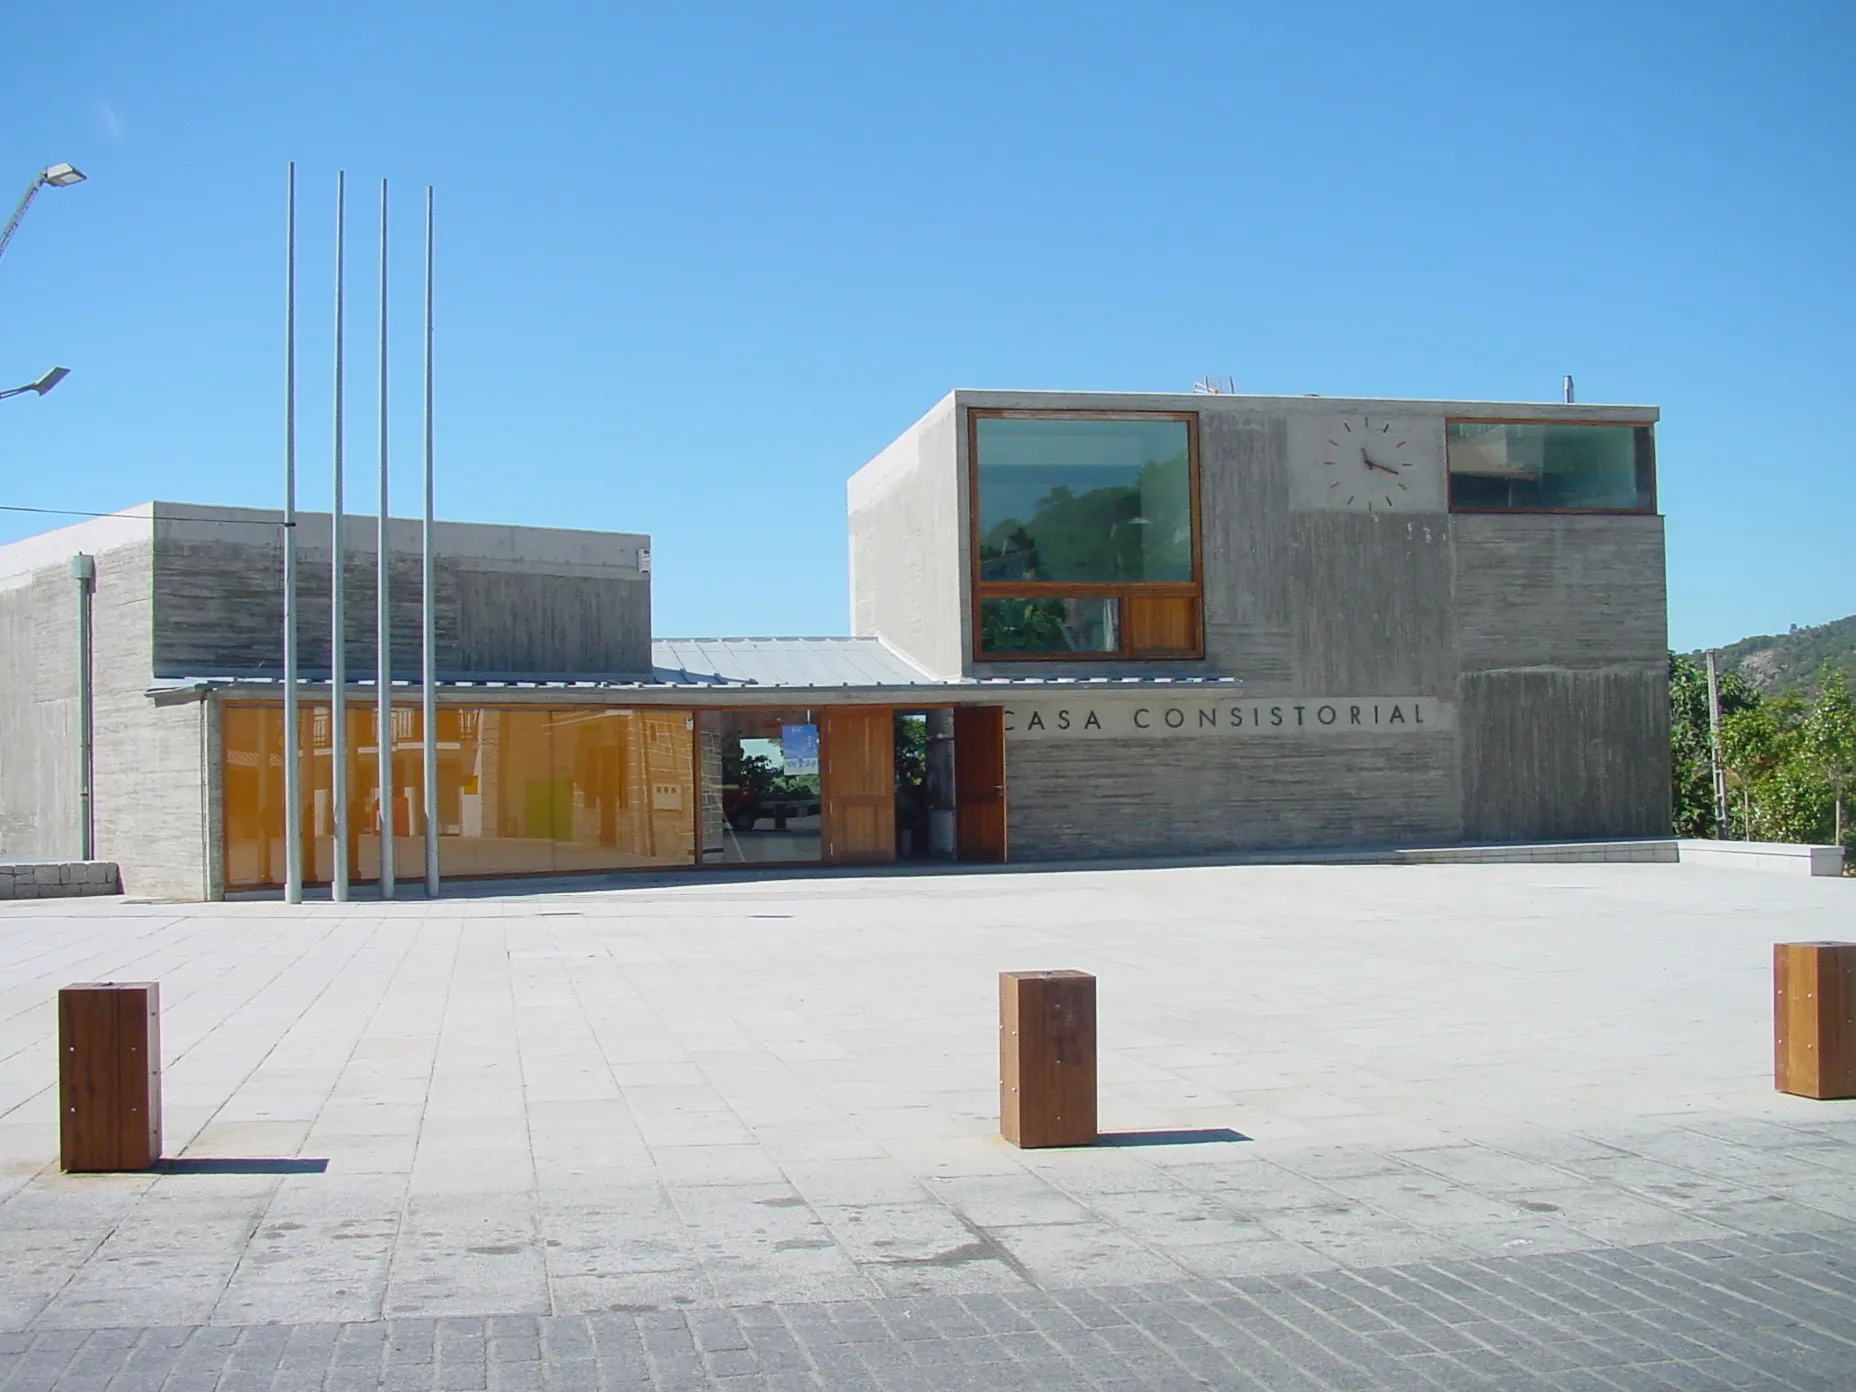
84, 571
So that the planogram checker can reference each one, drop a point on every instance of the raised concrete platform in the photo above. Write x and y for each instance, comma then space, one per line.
58, 879
1773, 857
1655, 851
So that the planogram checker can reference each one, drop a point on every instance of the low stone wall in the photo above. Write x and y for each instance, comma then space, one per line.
1657, 851
60, 879
1772, 857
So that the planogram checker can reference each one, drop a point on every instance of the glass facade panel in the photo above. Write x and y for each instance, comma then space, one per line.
760, 787
1089, 624
536, 791
1096, 501
1500, 466
521, 790
252, 794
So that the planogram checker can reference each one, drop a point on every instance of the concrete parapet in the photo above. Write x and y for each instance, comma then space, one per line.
1768, 856
1649, 851
1771, 857
58, 879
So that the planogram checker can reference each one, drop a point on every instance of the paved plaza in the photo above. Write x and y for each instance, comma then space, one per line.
1367, 1126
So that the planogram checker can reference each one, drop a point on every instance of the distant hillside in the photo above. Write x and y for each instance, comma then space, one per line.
1774, 662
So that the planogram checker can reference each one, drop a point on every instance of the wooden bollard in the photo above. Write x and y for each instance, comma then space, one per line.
109, 1076
1047, 1058
1814, 1018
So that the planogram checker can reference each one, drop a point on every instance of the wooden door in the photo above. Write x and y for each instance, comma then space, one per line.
979, 781
857, 784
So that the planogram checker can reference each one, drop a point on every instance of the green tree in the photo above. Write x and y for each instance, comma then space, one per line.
1827, 740
1691, 759
1022, 625
1771, 797
912, 751
752, 773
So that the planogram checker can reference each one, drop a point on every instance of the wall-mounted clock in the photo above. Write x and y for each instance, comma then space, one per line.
1360, 462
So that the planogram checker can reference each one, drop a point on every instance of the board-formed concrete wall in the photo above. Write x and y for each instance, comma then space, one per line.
1152, 798
147, 795
1572, 592
1545, 634
186, 591
38, 713
906, 581
508, 600
1560, 755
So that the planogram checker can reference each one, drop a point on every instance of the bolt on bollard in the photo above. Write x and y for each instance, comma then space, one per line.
1047, 1058
109, 1076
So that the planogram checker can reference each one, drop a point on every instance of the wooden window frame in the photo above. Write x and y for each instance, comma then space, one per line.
1121, 591
1650, 511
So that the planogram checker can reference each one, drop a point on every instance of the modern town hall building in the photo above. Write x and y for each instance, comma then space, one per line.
1083, 625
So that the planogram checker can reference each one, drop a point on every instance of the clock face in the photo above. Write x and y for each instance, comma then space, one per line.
1356, 462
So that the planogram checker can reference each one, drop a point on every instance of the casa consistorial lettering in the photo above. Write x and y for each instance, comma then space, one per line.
1162, 717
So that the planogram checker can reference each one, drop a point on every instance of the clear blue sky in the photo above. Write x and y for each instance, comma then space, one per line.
699, 262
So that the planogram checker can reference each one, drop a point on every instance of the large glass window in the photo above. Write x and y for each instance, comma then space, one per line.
1508, 466
521, 790
1090, 500
1074, 517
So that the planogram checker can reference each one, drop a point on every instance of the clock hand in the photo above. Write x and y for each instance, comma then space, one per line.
1381, 467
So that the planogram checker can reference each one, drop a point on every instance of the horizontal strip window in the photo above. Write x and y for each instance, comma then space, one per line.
1557, 466
1133, 624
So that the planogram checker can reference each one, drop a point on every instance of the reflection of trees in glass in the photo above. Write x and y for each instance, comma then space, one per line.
752, 773
1138, 531
1023, 625
755, 774
1007, 552
912, 751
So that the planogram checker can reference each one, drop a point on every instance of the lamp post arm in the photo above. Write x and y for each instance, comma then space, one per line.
19, 213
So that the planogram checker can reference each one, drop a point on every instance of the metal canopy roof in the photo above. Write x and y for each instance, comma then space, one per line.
802, 662
728, 664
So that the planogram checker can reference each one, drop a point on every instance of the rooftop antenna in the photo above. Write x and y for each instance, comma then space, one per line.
1209, 385
1566, 385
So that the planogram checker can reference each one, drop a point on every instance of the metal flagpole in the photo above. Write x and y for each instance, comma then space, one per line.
427, 604
293, 791
338, 666
1721, 813
383, 628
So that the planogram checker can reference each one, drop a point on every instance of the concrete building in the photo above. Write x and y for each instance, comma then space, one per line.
1082, 625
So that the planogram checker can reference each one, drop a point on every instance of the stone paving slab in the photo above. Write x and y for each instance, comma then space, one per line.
709, 1097
1774, 1312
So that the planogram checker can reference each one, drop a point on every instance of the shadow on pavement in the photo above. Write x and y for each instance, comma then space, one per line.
213, 1164
1207, 1136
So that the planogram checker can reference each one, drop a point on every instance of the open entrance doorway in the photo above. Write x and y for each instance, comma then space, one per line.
950, 784
924, 785
761, 802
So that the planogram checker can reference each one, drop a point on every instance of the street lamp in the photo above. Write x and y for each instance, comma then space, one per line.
43, 385
58, 176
